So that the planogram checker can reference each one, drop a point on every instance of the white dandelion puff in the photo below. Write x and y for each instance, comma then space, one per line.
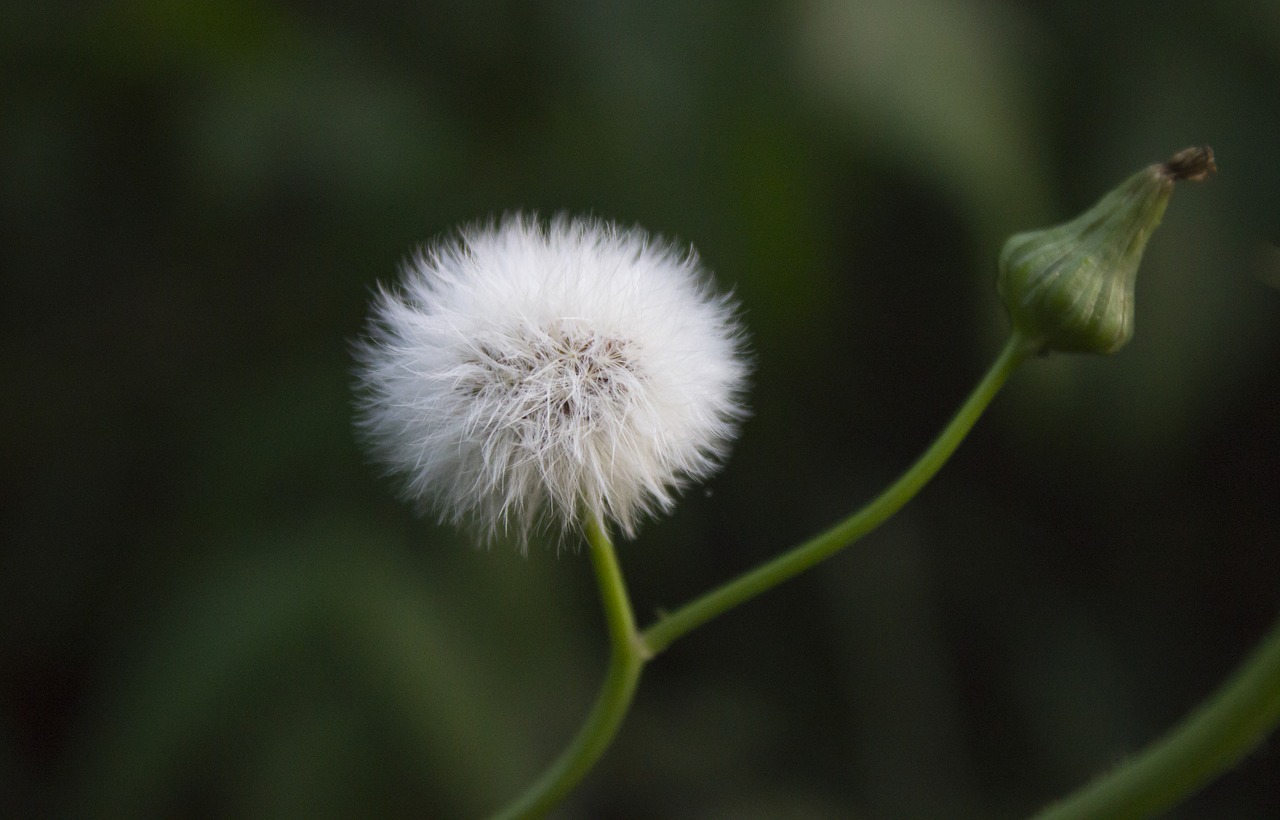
526, 375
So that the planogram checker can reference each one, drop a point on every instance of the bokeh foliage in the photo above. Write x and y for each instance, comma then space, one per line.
212, 606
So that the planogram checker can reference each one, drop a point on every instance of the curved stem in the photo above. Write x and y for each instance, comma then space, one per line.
630, 650
627, 657
798, 559
1208, 742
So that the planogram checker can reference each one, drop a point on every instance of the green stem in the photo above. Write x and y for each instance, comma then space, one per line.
630, 650
798, 559
1209, 741
627, 657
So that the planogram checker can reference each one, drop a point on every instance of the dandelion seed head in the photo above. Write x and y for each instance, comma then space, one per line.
524, 375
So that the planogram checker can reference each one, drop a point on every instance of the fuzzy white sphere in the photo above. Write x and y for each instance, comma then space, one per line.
526, 375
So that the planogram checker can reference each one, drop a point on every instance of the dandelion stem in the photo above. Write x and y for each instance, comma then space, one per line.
630, 649
1209, 741
627, 656
798, 559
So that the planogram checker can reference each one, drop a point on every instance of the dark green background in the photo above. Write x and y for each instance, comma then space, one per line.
212, 607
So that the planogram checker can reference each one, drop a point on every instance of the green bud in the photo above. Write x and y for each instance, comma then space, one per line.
1070, 288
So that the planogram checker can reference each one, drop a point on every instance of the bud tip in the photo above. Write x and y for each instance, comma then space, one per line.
1194, 163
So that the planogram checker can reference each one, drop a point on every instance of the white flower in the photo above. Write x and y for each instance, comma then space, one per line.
526, 375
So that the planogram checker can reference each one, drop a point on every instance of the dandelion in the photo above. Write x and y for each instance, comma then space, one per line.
525, 375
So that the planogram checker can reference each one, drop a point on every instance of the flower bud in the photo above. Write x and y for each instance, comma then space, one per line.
1070, 288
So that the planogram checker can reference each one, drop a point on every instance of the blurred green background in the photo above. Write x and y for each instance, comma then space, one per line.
211, 606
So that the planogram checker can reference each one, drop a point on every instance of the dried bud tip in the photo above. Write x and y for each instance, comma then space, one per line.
1195, 164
